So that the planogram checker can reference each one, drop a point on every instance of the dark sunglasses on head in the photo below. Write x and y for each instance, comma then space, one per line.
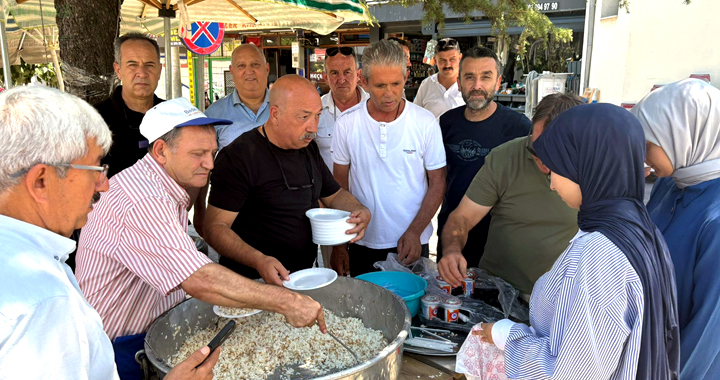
447, 44
331, 52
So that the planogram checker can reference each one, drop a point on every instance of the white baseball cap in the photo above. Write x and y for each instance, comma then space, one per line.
174, 113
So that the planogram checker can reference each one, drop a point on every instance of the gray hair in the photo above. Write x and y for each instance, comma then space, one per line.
39, 124
133, 37
383, 53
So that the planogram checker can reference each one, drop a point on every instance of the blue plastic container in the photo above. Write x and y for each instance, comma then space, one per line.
408, 286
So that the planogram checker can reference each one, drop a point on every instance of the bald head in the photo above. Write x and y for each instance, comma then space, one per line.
250, 71
248, 50
288, 88
295, 109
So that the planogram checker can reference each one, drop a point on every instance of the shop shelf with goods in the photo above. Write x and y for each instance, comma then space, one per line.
515, 101
418, 72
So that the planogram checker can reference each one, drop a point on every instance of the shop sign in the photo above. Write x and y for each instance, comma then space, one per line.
316, 76
560, 5
204, 37
174, 39
239, 26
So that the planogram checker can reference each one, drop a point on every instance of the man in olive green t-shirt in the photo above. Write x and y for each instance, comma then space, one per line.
530, 227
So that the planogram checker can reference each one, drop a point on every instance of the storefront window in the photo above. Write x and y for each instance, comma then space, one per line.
270, 40
317, 63
355, 38
287, 40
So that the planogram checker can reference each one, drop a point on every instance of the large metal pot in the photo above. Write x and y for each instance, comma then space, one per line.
377, 307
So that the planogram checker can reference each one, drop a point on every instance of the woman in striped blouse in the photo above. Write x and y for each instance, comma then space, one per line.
607, 308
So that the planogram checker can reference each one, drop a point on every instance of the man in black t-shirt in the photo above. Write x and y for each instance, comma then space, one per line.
265, 181
470, 132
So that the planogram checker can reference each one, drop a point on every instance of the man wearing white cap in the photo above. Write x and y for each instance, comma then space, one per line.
135, 259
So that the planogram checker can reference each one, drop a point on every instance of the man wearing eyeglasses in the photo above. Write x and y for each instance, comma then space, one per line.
341, 74
135, 259
266, 180
530, 224
47, 190
439, 92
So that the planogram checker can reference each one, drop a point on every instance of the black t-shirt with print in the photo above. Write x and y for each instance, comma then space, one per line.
467, 143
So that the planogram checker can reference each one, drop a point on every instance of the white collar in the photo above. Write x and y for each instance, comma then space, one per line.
329, 102
45, 241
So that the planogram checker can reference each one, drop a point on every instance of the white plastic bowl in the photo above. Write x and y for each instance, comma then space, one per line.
329, 226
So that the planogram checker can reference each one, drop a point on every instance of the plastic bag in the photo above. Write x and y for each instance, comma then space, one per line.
420, 266
480, 360
493, 298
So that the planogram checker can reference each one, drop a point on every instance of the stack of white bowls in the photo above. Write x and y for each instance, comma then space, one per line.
329, 226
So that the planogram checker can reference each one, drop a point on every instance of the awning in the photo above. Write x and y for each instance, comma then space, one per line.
34, 45
320, 16
138, 16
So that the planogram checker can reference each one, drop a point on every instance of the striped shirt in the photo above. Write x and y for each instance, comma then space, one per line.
586, 316
134, 252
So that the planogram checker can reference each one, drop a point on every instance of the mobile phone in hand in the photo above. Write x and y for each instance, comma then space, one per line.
221, 337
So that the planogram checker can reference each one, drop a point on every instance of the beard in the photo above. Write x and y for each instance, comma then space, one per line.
477, 104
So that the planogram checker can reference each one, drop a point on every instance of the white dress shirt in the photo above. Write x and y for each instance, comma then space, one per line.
326, 126
47, 328
435, 98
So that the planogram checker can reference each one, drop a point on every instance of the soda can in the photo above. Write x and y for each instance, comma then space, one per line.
468, 285
444, 285
452, 308
430, 306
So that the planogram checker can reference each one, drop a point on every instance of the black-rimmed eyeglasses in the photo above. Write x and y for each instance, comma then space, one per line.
331, 52
308, 167
103, 169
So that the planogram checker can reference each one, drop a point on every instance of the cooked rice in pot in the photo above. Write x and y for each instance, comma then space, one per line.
263, 342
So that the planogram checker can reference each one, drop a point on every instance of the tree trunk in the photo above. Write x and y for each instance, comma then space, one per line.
87, 30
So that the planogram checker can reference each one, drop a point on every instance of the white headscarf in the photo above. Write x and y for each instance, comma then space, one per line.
683, 118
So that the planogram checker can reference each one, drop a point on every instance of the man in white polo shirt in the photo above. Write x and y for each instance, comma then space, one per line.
390, 153
439, 92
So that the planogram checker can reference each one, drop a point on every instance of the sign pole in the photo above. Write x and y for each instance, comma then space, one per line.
5, 56
200, 71
191, 77
168, 60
